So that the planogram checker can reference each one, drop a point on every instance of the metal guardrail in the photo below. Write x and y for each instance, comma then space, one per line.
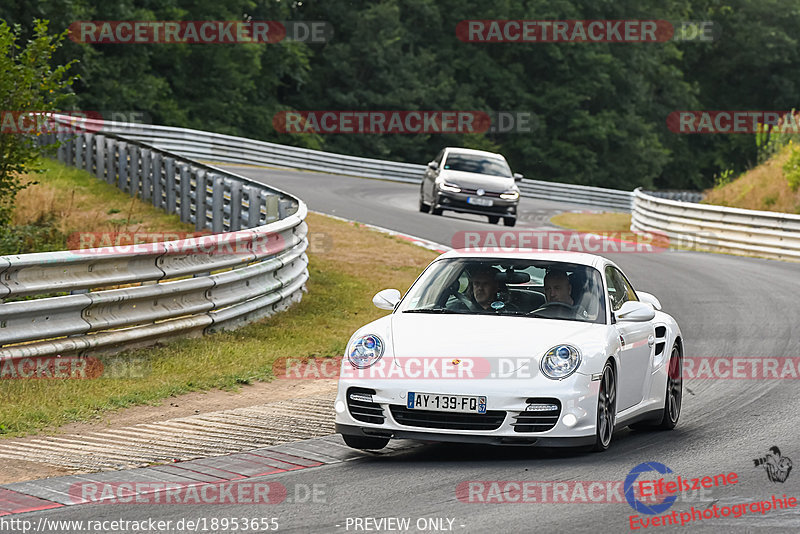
230, 149
718, 228
253, 265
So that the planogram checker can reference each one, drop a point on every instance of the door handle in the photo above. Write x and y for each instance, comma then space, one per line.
651, 340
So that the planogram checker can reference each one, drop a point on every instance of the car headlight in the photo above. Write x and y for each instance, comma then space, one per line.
365, 351
450, 188
510, 195
561, 361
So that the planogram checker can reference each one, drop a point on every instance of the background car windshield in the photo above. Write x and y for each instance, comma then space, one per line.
478, 286
477, 164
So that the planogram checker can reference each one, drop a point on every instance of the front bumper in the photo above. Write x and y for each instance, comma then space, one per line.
506, 401
458, 202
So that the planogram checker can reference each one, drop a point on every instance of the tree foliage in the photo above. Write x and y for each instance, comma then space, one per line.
601, 108
27, 83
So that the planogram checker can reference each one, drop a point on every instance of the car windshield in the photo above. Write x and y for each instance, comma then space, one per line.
518, 287
477, 164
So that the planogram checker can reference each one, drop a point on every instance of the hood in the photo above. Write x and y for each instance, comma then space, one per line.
472, 180
485, 337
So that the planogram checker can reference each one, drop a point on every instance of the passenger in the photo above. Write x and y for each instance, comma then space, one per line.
557, 287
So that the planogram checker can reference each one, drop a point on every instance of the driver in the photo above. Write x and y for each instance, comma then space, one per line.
557, 287
485, 285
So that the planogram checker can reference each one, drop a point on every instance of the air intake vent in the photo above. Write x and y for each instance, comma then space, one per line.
661, 339
541, 415
456, 421
359, 402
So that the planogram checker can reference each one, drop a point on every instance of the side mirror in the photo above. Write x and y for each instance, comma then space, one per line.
635, 311
433, 165
518, 177
649, 298
386, 299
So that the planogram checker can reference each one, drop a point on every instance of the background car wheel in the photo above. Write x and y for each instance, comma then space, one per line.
364, 442
437, 211
509, 221
493, 219
424, 208
672, 397
606, 409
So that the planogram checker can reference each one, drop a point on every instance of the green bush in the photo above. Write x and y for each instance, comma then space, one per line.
791, 169
41, 236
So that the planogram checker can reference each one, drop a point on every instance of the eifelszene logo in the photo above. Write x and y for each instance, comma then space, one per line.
777, 467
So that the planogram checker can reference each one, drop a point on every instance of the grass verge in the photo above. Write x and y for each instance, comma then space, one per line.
354, 263
63, 201
594, 222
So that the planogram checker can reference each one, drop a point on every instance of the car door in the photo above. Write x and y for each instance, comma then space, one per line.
430, 178
636, 339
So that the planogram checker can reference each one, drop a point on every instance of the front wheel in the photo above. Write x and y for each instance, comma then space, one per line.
606, 409
437, 211
674, 394
424, 208
509, 221
364, 442
493, 219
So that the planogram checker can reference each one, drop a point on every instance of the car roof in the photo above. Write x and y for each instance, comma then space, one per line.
579, 258
451, 149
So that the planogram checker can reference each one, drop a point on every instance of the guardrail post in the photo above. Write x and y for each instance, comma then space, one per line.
88, 164
79, 140
253, 206
147, 183
236, 207
122, 166
112, 167
99, 156
169, 172
217, 203
158, 199
185, 195
69, 146
136, 171
200, 197
62, 149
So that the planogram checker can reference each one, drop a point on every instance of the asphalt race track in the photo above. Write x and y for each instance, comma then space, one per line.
726, 306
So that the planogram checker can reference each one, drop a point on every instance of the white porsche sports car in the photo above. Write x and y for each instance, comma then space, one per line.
512, 348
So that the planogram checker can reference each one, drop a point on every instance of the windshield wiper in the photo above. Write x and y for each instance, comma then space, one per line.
430, 310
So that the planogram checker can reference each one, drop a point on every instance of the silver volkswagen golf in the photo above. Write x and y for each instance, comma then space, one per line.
470, 181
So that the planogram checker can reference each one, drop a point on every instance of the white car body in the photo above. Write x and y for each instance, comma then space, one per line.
640, 351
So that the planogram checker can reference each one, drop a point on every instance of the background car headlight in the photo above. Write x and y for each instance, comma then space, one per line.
561, 361
365, 351
450, 188
510, 195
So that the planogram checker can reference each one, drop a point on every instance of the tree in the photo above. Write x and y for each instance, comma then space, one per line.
28, 83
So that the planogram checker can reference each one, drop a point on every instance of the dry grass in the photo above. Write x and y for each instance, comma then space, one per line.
79, 202
594, 222
761, 188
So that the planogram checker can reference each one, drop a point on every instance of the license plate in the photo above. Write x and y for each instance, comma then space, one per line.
446, 403
480, 201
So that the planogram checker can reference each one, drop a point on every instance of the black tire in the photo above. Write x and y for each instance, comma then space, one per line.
673, 396
509, 221
424, 208
364, 442
437, 211
493, 219
606, 409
